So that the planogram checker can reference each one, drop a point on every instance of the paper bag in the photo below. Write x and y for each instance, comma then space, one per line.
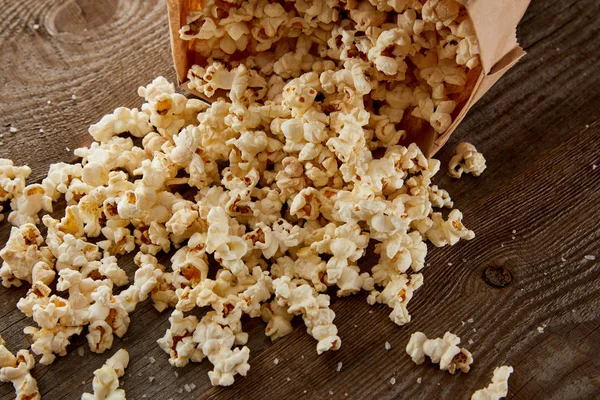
495, 23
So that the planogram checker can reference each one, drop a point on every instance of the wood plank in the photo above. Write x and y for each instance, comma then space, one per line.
540, 182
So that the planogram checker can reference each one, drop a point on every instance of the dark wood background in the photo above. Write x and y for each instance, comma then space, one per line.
538, 128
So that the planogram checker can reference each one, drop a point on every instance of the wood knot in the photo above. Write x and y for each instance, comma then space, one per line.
498, 277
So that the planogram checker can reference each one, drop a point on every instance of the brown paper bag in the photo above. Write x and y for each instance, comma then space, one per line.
495, 23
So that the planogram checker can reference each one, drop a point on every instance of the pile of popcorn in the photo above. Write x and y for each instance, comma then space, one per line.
274, 191
411, 57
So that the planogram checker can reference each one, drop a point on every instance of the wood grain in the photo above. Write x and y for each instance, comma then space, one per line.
539, 129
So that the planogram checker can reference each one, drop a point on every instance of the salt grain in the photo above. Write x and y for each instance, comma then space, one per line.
474, 330
152, 360
67, 149
192, 386
139, 374
449, 264
187, 388
514, 231
471, 341
41, 130
470, 320
73, 97
388, 345
513, 237
371, 311
419, 380
49, 102
594, 166
331, 392
180, 390
12, 129
393, 381
289, 379
36, 26
151, 378
339, 367
176, 374
80, 351
590, 257
540, 329
563, 259
276, 361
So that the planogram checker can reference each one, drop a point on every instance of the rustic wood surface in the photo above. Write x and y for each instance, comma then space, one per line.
537, 205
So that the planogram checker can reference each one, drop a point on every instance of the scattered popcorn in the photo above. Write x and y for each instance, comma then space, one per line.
498, 389
106, 379
296, 166
443, 351
467, 160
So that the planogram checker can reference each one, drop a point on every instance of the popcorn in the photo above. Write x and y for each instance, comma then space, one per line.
121, 120
450, 231
23, 251
467, 160
289, 183
106, 378
178, 341
17, 371
498, 389
443, 351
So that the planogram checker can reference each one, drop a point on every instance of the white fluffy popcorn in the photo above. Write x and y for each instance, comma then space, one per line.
498, 388
16, 369
106, 378
443, 351
268, 197
467, 160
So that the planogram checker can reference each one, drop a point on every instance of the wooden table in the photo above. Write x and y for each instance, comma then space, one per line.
536, 212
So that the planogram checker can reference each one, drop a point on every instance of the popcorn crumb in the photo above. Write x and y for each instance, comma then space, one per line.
590, 257
339, 366
276, 361
388, 346
393, 381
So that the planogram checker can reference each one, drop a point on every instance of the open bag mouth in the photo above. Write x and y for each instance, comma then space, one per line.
491, 43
